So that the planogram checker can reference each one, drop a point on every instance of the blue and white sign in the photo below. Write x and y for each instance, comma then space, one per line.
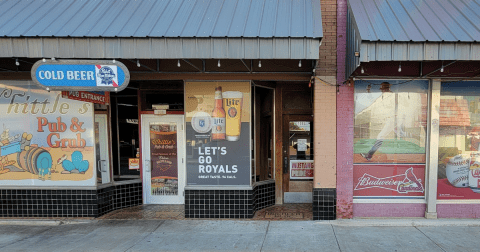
81, 75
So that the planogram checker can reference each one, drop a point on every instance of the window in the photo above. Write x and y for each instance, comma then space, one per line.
389, 138
459, 139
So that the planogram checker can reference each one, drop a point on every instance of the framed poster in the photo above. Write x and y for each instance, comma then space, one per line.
301, 169
218, 132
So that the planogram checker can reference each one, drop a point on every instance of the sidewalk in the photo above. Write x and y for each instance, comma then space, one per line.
239, 235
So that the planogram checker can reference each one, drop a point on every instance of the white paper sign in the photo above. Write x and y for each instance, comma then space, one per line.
302, 145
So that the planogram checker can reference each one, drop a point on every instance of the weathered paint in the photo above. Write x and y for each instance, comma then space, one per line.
325, 132
388, 210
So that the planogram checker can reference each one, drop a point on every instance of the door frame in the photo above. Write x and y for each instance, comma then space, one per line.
146, 166
105, 165
285, 148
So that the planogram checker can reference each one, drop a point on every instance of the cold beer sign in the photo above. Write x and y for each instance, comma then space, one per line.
80, 75
218, 133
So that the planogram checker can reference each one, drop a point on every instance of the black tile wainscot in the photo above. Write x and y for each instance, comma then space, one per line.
234, 204
68, 203
324, 203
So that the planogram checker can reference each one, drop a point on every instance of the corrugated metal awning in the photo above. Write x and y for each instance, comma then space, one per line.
412, 30
161, 29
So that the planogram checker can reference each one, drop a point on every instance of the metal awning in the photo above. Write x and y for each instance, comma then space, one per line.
170, 29
412, 30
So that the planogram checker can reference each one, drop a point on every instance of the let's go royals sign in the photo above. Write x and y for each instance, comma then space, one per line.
81, 75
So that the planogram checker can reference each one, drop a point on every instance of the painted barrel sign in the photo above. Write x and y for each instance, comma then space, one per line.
35, 160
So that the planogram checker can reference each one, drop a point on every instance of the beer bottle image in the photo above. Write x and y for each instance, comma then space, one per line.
218, 129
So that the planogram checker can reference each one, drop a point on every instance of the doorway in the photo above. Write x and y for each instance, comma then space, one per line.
298, 158
163, 156
263, 126
101, 149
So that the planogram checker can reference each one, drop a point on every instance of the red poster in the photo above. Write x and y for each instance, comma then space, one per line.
459, 177
87, 96
389, 180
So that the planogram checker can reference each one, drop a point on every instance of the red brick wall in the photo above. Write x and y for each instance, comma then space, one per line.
345, 122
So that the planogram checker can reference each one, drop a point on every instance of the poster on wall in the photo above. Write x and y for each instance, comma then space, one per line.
390, 133
389, 181
301, 169
163, 155
459, 139
45, 140
218, 133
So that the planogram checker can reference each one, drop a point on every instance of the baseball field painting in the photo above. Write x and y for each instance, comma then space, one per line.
45, 139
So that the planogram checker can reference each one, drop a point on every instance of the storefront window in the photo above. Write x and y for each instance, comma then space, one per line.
389, 138
459, 139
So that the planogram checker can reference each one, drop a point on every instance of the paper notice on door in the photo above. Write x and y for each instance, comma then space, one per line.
302, 145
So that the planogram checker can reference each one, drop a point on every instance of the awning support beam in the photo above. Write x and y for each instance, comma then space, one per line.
191, 64
245, 64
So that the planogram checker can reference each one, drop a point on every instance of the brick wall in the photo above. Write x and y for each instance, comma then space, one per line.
325, 100
327, 63
345, 123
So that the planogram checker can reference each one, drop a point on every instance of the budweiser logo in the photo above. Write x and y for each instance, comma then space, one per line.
403, 183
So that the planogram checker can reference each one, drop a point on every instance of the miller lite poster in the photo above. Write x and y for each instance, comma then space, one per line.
218, 133
45, 140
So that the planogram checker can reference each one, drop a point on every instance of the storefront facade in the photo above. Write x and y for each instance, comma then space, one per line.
219, 116
414, 82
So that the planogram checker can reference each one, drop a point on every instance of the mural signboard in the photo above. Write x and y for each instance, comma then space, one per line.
218, 133
46, 140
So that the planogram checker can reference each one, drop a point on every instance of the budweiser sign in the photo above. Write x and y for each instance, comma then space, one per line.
402, 183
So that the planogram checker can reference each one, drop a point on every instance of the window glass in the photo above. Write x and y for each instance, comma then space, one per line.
389, 138
459, 139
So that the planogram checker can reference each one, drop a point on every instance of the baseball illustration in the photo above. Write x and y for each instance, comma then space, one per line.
457, 170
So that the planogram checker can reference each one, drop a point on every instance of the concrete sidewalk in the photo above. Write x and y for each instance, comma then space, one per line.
227, 235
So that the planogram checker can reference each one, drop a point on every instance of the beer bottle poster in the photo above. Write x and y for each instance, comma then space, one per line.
163, 155
218, 133
45, 140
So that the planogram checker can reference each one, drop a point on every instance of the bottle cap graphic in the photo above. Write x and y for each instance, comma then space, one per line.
202, 122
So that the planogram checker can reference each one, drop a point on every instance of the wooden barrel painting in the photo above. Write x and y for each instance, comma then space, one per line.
35, 160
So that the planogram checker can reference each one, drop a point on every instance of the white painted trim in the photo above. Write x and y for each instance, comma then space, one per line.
223, 187
441, 202
432, 152
181, 143
370, 164
389, 201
